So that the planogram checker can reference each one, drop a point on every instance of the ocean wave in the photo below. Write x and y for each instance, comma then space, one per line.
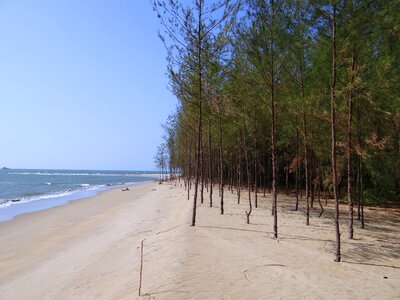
8, 183
47, 183
98, 186
33, 197
79, 188
5, 203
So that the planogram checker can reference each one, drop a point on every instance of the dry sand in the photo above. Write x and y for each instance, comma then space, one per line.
90, 249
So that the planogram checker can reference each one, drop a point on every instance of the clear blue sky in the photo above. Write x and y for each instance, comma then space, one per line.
82, 84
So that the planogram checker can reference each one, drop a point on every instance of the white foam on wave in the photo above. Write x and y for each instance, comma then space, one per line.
46, 196
6, 203
98, 186
47, 183
84, 187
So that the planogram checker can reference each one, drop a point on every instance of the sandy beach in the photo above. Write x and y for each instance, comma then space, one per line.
90, 249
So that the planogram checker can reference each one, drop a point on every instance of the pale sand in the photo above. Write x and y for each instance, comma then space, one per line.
89, 249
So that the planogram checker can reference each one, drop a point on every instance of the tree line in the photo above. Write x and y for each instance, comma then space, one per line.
294, 97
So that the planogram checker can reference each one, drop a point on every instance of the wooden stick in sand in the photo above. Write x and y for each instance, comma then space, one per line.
141, 267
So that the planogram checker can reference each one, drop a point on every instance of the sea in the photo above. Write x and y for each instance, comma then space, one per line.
24, 190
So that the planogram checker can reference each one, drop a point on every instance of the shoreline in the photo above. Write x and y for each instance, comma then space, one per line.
18, 208
33, 242
91, 250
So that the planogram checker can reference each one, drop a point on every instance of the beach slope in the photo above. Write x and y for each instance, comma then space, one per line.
90, 249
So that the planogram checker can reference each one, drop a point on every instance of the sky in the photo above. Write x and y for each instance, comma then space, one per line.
83, 84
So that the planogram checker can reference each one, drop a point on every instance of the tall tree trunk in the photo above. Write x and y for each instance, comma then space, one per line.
361, 195
333, 132
319, 188
297, 170
255, 160
248, 213
231, 176
311, 184
255, 177
196, 185
259, 175
265, 183
210, 174
199, 128
221, 159
287, 179
306, 169
273, 129
269, 175
358, 193
202, 174
359, 174
303, 100
349, 147
228, 176
274, 185
238, 171
189, 179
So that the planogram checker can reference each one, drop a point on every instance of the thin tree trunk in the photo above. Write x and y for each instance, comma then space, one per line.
287, 180
259, 176
265, 183
297, 170
221, 159
358, 193
238, 171
248, 213
269, 175
202, 174
231, 177
274, 186
255, 177
333, 132
319, 202
196, 185
349, 148
359, 173
255, 160
305, 142
361, 195
210, 174
273, 148
312, 186
189, 173
319, 188
273, 130
199, 133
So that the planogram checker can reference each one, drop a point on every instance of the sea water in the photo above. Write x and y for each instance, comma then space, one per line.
23, 191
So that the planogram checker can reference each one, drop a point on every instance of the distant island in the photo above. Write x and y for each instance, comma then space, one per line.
5, 168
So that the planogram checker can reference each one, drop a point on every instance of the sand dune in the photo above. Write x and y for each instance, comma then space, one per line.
90, 249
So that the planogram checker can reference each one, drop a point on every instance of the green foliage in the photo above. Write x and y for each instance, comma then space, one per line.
286, 45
